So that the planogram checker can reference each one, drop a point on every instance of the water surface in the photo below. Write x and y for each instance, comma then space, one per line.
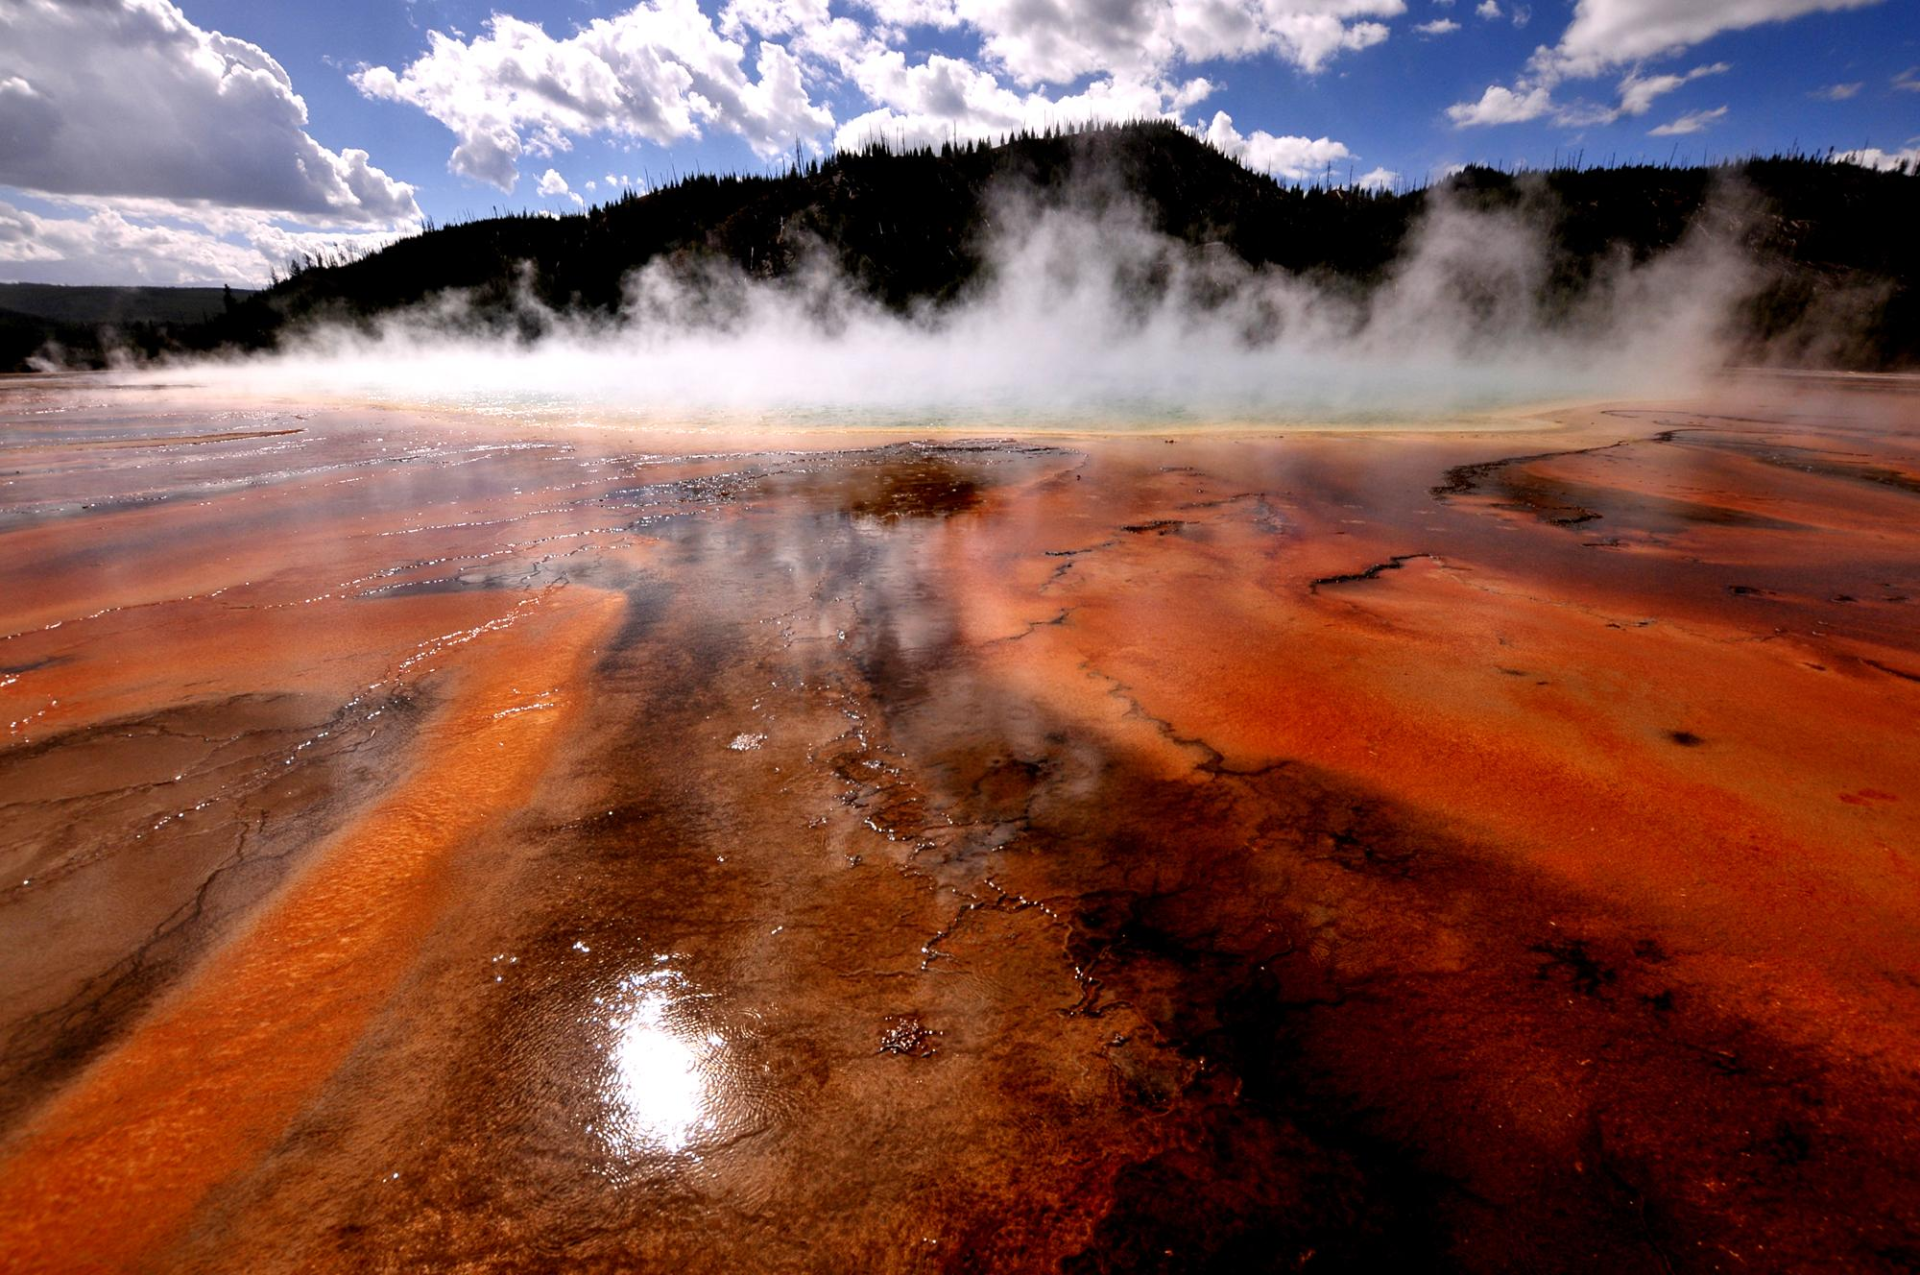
440, 839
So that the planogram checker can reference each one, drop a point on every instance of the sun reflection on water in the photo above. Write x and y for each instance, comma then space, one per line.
663, 1069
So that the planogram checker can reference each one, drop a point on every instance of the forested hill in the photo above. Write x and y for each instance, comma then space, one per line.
911, 227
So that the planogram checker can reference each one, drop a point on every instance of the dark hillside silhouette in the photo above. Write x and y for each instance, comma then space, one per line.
87, 303
34, 315
909, 226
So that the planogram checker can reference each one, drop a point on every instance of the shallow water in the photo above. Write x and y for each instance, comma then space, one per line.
454, 841
717, 389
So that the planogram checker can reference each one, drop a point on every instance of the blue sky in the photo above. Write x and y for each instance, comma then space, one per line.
203, 141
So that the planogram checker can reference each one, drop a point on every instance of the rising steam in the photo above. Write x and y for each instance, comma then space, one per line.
1080, 319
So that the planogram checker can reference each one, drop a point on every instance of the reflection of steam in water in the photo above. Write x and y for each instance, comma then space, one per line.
664, 1070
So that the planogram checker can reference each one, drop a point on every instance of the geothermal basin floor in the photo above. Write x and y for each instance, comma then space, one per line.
434, 841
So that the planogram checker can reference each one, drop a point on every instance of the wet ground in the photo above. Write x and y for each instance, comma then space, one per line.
451, 843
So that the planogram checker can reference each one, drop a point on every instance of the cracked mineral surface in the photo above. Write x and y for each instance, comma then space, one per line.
445, 842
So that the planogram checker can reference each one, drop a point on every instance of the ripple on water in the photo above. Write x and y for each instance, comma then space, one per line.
680, 1075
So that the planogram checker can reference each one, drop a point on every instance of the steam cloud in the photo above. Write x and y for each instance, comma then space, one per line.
1081, 319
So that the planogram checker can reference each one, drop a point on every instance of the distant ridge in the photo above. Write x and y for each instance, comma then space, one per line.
65, 303
33, 315
908, 227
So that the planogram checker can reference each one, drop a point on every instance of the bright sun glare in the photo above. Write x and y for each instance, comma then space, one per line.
660, 1086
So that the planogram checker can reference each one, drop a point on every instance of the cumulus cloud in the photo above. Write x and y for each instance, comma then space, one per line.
65, 249
1692, 122
1291, 158
1501, 106
123, 242
664, 71
1610, 33
1905, 160
129, 98
945, 98
1487, 9
1057, 43
1439, 26
1605, 35
554, 186
660, 72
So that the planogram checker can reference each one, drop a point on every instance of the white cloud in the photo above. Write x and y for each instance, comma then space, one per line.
1907, 159
945, 98
1290, 158
1693, 122
1377, 179
1490, 11
554, 186
664, 72
129, 98
124, 242
1838, 92
1439, 26
658, 72
1637, 93
107, 248
912, 13
1058, 42
1908, 80
1501, 106
1609, 33
772, 17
